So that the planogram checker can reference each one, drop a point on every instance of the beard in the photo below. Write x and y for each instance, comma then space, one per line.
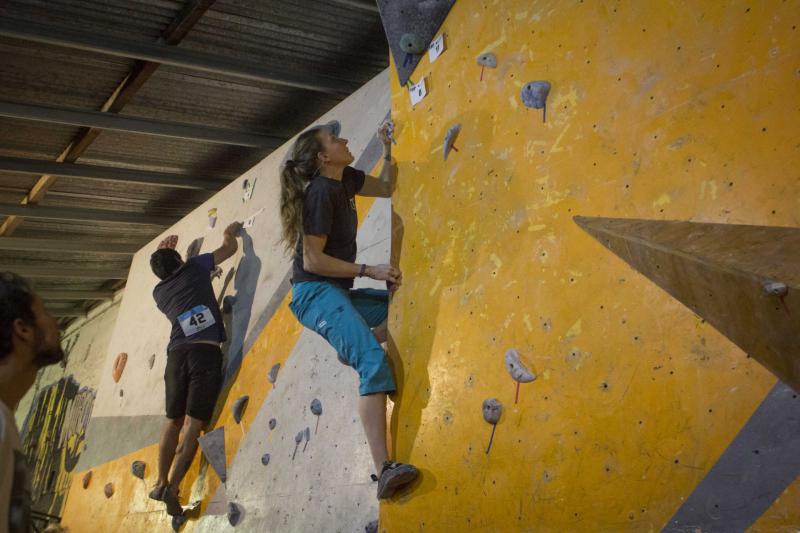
47, 355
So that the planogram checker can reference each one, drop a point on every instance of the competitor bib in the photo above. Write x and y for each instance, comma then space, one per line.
196, 320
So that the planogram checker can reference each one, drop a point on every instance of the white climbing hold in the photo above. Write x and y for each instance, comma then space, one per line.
776, 288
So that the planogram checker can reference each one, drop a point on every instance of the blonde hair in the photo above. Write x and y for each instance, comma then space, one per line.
295, 175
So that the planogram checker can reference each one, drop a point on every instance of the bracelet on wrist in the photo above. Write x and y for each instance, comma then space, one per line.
363, 269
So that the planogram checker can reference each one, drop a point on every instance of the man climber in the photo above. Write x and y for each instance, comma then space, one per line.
193, 376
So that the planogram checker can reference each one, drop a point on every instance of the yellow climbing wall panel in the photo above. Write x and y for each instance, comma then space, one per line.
658, 110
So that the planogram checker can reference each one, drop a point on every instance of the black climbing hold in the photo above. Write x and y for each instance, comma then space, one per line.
234, 513
488, 60
238, 408
137, 469
534, 94
265, 459
273, 373
151, 361
272, 423
372, 527
316, 407
410, 43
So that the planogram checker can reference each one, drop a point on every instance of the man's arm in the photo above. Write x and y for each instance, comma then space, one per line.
316, 261
383, 185
229, 244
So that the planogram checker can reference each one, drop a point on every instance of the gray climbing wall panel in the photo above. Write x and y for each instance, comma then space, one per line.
419, 18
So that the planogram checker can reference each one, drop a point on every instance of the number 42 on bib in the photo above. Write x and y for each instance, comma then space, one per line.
196, 320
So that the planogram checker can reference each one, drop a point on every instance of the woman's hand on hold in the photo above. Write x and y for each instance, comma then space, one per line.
384, 134
385, 273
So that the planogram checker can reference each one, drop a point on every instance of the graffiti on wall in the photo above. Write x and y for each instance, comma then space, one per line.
53, 437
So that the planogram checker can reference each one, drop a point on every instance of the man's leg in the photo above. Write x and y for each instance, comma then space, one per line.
372, 409
186, 451
166, 450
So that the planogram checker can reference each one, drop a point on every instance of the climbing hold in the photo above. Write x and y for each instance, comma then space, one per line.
517, 370
178, 521
170, 242
87, 477
534, 94
234, 513
194, 248
227, 304
410, 43
248, 187
212, 217
492, 409
151, 361
272, 423
297, 440
121, 393
119, 366
334, 126
137, 469
108, 490
217, 272
213, 446
316, 407
488, 60
273, 373
238, 408
265, 459
450, 140
372, 527
776, 288
307, 435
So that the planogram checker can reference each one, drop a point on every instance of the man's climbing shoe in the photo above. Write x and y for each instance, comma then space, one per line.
393, 476
173, 505
158, 493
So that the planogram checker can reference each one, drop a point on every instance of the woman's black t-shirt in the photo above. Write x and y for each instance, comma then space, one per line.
329, 208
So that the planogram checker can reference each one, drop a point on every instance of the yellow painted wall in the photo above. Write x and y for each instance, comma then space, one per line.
662, 110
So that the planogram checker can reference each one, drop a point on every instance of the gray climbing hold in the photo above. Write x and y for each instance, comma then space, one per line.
227, 304
334, 126
178, 521
316, 407
517, 370
193, 250
265, 459
137, 469
488, 60
273, 373
299, 437
272, 423
307, 434
151, 361
238, 408
410, 43
234, 513
776, 288
372, 527
213, 446
492, 409
450, 139
534, 94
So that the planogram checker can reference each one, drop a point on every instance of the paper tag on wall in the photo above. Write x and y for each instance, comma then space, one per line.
417, 92
436, 48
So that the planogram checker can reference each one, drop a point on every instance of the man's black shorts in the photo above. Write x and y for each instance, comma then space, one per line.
193, 379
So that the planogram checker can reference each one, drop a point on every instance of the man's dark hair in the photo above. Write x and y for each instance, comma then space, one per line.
16, 299
165, 262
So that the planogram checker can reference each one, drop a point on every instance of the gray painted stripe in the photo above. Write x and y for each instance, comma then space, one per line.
111, 437
753, 471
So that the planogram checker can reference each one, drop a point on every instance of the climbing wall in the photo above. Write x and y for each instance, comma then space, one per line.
642, 416
326, 481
